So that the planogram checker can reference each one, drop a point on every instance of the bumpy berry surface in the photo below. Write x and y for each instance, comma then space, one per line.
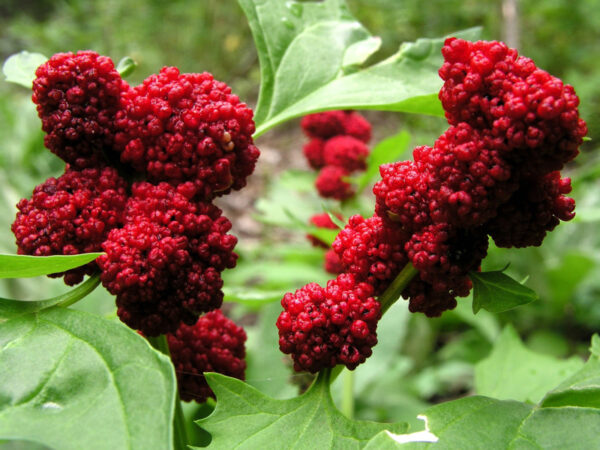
321, 220
444, 256
187, 127
402, 194
468, 176
213, 344
489, 86
164, 265
330, 183
322, 327
77, 97
71, 214
533, 210
346, 152
328, 124
371, 251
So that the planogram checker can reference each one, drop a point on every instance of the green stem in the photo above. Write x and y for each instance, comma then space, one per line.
81, 291
347, 406
394, 290
180, 439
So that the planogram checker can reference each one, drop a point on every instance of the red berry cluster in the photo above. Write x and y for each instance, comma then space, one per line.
493, 172
71, 214
337, 148
323, 327
143, 166
213, 344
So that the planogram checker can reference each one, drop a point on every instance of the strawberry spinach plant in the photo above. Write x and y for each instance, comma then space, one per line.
136, 210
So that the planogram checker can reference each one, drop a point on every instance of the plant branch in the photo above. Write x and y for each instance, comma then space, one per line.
394, 290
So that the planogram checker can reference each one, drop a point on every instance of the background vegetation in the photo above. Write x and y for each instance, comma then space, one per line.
423, 361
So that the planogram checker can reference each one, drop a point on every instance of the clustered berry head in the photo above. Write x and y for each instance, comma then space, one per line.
213, 344
77, 97
337, 148
494, 172
71, 214
187, 127
487, 85
164, 264
143, 166
323, 327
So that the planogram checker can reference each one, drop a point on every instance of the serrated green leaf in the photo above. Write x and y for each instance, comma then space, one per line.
73, 380
10, 308
497, 292
513, 372
387, 151
306, 422
20, 68
290, 35
24, 266
126, 66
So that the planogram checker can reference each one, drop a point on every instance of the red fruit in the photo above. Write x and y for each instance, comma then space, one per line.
213, 344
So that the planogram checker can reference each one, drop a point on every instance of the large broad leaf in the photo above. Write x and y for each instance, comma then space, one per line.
567, 417
246, 419
22, 266
309, 54
73, 380
497, 292
513, 372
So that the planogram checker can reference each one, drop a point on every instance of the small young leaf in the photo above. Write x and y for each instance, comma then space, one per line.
126, 66
387, 151
20, 68
305, 422
73, 380
25, 266
10, 308
497, 292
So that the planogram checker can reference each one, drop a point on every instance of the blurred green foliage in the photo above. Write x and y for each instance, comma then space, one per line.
434, 359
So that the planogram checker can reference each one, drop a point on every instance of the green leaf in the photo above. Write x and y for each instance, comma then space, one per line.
513, 372
567, 417
290, 35
306, 422
387, 151
73, 380
497, 292
24, 266
126, 66
10, 308
20, 68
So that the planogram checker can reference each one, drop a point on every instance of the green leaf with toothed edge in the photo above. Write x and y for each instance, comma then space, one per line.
567, 416
73, 380
289, 35
25, 266
306, 422
20, 68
